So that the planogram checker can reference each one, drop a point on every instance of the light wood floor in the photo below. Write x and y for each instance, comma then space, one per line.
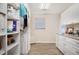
44, 49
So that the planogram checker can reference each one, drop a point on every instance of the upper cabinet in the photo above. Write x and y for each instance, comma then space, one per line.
71, 15
28, 10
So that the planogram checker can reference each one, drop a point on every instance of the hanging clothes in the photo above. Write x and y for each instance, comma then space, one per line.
23, 13
25, 21
23, 10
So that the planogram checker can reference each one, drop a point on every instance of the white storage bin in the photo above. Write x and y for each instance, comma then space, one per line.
2, 23
3, 8
13, 14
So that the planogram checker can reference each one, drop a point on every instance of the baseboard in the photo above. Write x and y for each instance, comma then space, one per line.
41, 42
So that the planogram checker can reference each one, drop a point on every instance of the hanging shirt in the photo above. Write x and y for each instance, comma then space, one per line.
23, 10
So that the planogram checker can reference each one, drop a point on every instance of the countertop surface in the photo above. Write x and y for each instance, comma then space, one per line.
76, 37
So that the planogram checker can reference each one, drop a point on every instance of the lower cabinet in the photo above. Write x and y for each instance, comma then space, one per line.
25, 44
67, 46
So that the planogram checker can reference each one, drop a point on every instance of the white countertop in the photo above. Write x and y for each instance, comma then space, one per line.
70, 36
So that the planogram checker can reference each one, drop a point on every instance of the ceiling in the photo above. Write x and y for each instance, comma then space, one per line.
55, 8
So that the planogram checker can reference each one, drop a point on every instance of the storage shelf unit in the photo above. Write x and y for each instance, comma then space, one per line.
13, 48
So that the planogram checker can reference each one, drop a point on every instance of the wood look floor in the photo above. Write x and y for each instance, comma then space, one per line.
44, 49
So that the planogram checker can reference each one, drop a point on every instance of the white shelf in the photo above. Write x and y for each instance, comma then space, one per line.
12, 33
2, 51
2, 34
12, 18
12, 46
1, 12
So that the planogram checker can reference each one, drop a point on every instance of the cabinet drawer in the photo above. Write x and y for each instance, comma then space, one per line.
68, 46
65, 50
61, 49
73, 48
72, 42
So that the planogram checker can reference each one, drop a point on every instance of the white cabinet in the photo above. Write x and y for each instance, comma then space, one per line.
67, 45
25, 34
24, 42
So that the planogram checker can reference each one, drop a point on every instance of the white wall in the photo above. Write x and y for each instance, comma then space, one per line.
71, 15
47, 35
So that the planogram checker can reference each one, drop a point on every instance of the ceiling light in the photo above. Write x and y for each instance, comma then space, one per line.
44, 6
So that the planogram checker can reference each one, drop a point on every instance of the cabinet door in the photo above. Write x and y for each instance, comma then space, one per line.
60, 43
74, 45
57, 39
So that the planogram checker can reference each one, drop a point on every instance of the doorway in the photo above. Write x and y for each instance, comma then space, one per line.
43, 40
